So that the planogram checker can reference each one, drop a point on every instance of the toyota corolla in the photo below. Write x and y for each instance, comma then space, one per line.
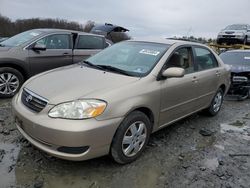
112, 102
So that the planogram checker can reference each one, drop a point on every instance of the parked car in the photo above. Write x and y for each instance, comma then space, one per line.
113, 101
3, 39
239, 60
112, 32
38, 50
235, 34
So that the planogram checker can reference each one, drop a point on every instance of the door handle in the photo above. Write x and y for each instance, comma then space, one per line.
65, 53
217, 73
195, 79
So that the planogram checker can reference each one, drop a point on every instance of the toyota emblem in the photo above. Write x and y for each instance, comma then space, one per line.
29, 98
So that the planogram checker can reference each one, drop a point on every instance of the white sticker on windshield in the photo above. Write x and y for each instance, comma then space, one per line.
248, 58
34, 34
149, 52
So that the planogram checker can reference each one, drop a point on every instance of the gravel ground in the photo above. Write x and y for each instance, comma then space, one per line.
198, 151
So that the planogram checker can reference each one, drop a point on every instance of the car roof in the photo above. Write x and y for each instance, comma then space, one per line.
239, 51
49, 30
165, 41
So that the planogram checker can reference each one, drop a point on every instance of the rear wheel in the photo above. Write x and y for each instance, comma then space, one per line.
131, 138
10, 81
216, 103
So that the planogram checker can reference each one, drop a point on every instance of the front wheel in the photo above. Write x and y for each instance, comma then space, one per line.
131, 138
10, 81
216, 103
245, 41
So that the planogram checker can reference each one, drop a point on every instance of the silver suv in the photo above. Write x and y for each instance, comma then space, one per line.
235, 34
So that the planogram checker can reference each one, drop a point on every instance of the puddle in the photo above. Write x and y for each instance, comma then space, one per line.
7, 166
247, 116
221, 147
231, 128
212, 164
238, 123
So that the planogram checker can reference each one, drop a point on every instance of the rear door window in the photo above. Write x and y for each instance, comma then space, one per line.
204, 59
90, 42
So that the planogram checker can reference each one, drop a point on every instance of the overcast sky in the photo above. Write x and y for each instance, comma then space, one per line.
142, 17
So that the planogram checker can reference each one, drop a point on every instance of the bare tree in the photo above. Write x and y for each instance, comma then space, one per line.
9, 28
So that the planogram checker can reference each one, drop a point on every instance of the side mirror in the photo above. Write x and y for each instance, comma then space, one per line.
39, 47
173, 72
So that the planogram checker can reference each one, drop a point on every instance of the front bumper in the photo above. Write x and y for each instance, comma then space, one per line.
49, 134
240, 85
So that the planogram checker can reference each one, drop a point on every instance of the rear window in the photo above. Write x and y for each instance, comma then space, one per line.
236, 58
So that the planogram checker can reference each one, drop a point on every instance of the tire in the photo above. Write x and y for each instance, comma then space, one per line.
216, 103
10, 81
245, 95
123, 150
245, 41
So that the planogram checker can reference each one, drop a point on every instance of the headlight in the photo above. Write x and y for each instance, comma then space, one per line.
78, 109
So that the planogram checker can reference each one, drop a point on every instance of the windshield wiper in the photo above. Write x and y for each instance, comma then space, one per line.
91, 64
114, 69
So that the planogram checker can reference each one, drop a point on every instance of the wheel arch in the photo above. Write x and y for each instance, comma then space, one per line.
17, 67
223, 87
147, 111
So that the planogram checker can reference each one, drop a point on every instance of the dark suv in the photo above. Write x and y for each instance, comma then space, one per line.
239, 61
38, 50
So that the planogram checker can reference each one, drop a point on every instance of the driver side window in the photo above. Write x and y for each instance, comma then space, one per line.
57, 41
182, 58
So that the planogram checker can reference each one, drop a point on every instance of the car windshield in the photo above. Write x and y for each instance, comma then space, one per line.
133, 58
21, 38
236, 58
236, 27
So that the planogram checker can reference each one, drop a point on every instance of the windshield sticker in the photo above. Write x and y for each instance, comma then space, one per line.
34, 34
140, 70
248, 58
149, 52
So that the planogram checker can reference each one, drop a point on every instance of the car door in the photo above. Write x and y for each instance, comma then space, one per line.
58, 53
208, 73
86, 46
178, 95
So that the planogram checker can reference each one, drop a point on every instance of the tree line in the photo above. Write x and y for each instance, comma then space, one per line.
9, 28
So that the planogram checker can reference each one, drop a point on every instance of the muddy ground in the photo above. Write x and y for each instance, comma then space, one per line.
198, 151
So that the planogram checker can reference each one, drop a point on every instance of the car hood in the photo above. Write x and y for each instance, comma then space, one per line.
4, 49
239, 68
74, 82
232, 31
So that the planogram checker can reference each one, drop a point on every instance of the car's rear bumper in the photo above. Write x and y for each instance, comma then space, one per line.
67, 139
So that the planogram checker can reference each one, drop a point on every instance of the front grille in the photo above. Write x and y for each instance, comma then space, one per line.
245, 74
33, 101
240, 79
229, 36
